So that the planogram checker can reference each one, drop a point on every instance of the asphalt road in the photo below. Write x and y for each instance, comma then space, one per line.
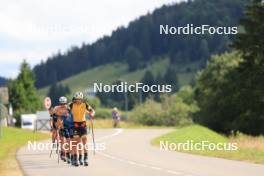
129, 153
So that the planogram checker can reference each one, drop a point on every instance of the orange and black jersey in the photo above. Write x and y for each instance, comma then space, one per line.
79, 111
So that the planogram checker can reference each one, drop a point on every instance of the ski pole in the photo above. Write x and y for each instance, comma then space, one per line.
58, 146
51, 150
93, 134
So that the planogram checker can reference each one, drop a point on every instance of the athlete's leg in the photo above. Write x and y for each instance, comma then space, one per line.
115, 123
71, 146
75, 142
53, 136
85, 148
80, 151
66, 145
62, 141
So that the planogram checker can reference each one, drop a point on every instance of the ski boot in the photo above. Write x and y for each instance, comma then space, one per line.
85, 159
80, 160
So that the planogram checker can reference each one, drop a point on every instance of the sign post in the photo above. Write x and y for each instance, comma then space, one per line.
47, 103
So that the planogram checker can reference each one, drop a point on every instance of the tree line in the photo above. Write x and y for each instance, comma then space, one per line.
230, 90
140, 42
117, 99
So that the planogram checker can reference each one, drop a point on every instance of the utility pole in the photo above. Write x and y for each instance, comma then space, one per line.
126, 104
10, 113
126, 99
140, 97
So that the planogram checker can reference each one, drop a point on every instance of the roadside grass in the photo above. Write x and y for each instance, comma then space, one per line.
250, 149
12, 139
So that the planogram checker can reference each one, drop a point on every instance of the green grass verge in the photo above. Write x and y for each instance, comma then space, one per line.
197, 134
12, 139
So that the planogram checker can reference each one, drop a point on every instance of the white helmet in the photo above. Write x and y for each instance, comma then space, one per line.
78, 95
63, 100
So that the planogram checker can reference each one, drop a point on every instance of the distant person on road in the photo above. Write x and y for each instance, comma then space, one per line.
67, 132
53, 126
79, 109
61, 112
116, 117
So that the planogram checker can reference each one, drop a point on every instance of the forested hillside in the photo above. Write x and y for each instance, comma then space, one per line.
141, 42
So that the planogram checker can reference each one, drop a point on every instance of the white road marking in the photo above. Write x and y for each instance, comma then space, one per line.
155, 168
132, 163
142, 165
119, 131
173, 172
121, 160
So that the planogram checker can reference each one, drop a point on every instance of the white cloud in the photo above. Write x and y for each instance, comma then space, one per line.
35, 29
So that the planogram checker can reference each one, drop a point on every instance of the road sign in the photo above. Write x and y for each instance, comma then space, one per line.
47, 102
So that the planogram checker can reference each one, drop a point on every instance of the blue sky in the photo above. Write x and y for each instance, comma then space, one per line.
34, 29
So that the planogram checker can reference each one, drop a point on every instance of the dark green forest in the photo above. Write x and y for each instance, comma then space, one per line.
230, 90
140, 42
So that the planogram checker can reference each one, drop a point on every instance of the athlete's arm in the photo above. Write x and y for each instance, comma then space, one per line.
54, 111
70, 106
51, 123
90, 110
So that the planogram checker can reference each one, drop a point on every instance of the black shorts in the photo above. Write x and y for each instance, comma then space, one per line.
79, 131
66, 132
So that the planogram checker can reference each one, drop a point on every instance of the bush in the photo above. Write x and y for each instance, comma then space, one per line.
17, 116
94, 102
176, 109
148, 113
217, 92
103, 113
